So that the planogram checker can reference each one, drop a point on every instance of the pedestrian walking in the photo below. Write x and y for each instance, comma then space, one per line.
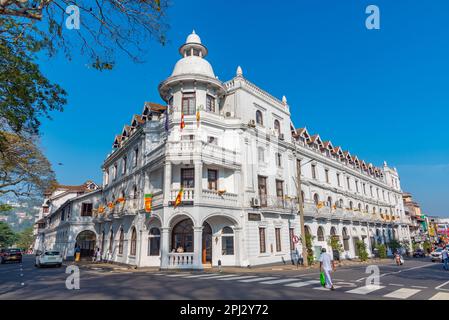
327, 266
98, 255
445, 258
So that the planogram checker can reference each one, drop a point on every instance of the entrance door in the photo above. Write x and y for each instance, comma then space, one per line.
86, 241
207, 244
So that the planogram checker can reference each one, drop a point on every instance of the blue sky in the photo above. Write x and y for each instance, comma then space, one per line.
381, 94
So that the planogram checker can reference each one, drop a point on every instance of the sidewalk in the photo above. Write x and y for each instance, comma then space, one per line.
268, 269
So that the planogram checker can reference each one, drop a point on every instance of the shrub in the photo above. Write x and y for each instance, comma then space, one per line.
361, 249
382, 250
310, 255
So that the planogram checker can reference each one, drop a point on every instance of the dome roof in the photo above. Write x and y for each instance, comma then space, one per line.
193, 65
193, 38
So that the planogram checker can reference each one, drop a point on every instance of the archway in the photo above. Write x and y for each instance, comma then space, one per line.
207, 244
345, 239
182, 236
86, 241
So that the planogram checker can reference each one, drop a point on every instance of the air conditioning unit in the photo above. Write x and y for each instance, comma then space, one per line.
252, 123
255, 202
228, 114
281, 136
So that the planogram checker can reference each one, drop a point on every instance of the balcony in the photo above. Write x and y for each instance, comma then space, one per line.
219, 198
278, 204
188, 195
209, 152
180, 260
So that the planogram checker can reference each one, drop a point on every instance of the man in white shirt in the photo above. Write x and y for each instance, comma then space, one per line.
327, 265
445, 258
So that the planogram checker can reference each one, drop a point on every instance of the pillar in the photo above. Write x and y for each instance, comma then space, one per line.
165, 247
167, 181
198, 247
198, 181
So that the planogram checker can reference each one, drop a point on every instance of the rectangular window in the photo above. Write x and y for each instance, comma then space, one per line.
357, 186
277, 232
298, 166
327, 175
338, 179
227, 245
371, 190
125, 162
261, 155
188, 178
364, 189
348, 183
262, 185
262, 240
188, 103
187, 137
115, 171
86, 209
313, 171
280, 189
292, 243
278, 160
136, 156
106, 177
45, 210
210, 103
212, 179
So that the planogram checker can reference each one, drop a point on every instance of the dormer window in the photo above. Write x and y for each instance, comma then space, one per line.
259, 117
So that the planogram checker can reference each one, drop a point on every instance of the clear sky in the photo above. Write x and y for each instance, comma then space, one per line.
381, 94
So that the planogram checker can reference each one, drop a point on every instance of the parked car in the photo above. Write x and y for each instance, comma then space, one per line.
10, 255
419, 253
48, 258
436, 255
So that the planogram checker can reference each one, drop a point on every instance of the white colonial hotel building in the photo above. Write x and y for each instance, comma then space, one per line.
238, 166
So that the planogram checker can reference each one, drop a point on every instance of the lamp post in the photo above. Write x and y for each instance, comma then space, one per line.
301, 212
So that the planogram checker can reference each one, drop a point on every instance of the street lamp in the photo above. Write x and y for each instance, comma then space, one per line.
301, 211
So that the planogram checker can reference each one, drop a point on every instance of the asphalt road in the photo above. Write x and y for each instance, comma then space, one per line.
416, 279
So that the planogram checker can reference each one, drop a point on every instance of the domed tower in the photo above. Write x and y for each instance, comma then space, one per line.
192, 83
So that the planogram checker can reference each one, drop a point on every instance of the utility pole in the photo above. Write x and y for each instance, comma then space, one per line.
301, 212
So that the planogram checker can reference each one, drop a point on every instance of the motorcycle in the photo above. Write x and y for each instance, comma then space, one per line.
399, 260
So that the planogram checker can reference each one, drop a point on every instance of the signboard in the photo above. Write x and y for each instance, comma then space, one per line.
254, 217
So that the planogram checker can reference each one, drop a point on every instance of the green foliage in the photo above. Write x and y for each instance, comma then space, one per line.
335, 244
309, 245
361, 250
382, 250
394, 245
5, 207
25, 239
7, 236
427, 246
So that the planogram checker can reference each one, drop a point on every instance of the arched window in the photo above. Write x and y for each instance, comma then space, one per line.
360, 207
316, 198
320, 234
227, 241
135, 195
341, 203
333, 231
374, 209
329, 201
133, 242
120, 241
182, 236
154, 242
259, 117
367, 208
351, 205
111, 241
277, 127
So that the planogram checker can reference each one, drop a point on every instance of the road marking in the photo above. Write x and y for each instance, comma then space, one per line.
440, 296
396, 284
442, 285
419, 287
403, 293
302, 284
345, 284
218, 277
365, 289
257, 279
279, 281
388, 273
326, 289
236, 278
178, 275
159, 274
200, 275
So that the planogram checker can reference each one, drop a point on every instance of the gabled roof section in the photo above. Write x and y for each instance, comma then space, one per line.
151, 107
117, 141
137, 121
125, 131
328, 145
315, 139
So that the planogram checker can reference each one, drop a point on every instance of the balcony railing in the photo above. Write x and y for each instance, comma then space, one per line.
278, 203
180, 260
219, 198
212, 152
187, 195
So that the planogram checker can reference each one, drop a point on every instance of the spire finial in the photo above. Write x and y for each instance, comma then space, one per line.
239, 72
284, 100
193, 32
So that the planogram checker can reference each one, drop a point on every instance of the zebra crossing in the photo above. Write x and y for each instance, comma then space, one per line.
350, 288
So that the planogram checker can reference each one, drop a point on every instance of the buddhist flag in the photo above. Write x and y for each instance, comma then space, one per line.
320, 205
197, 116
158, 4
121, 200
111, 205
148, 202
101, 209
182, 121
179, 197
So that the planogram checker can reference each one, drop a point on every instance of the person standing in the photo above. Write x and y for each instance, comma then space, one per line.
445, 258
327, 266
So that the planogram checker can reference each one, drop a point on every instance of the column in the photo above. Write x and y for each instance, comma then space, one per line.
198, 248
238, 247
237, 186
198, 181
167, 181
165, 247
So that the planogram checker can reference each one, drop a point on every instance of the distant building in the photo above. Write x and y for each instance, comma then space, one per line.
418, 226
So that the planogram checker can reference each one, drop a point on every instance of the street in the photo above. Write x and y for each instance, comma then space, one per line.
417, 279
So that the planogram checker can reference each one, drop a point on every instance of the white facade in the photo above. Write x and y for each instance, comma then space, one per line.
237, 163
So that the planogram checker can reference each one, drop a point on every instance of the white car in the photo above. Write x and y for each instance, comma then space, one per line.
436, 255
48, 258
